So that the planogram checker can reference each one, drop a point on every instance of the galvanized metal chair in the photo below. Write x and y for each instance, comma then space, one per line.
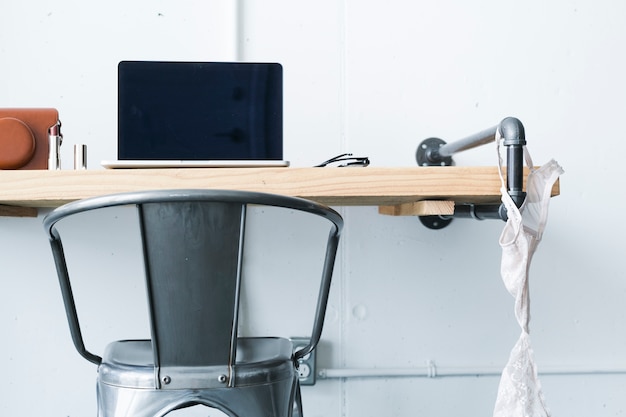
193, 243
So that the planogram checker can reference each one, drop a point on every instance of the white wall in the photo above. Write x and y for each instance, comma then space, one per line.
373, 78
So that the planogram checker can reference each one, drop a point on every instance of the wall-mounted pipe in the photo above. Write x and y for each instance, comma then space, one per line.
514, 140
433, 371
436, 152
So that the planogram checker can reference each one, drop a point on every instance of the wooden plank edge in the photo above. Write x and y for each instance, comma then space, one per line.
419, 208
15, 211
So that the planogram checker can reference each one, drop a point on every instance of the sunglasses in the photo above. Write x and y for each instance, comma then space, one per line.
346, 160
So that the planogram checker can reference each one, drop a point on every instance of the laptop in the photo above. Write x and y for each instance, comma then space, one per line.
199, 114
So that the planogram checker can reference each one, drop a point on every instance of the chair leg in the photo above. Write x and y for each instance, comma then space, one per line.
269, 400
297, 403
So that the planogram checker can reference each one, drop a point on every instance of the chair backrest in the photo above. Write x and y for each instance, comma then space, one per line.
193, 243
193, 264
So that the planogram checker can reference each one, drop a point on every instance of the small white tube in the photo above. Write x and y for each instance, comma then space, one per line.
80, 156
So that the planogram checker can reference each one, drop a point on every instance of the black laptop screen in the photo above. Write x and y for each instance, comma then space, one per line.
200, 111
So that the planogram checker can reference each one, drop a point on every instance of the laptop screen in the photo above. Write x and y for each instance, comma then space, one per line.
200, 111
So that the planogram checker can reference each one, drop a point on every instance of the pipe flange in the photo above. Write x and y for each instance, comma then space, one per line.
435, 222
427, 153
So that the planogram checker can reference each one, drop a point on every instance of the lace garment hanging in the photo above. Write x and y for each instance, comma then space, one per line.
519, 392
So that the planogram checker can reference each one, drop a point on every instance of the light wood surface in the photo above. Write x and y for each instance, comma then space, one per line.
369, 186
420, 208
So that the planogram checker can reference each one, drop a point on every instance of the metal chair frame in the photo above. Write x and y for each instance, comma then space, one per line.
240, 376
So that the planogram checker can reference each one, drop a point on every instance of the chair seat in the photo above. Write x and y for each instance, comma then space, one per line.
130, 363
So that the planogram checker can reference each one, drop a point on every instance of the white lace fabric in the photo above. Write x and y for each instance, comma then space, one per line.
519, 392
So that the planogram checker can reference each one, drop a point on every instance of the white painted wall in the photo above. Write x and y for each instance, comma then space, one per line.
373, 78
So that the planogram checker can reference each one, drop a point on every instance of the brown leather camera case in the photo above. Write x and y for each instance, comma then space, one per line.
24, 141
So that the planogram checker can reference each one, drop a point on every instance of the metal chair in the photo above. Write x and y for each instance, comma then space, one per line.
193, 243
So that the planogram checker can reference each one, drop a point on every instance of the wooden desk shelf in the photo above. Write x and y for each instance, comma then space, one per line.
398, 191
